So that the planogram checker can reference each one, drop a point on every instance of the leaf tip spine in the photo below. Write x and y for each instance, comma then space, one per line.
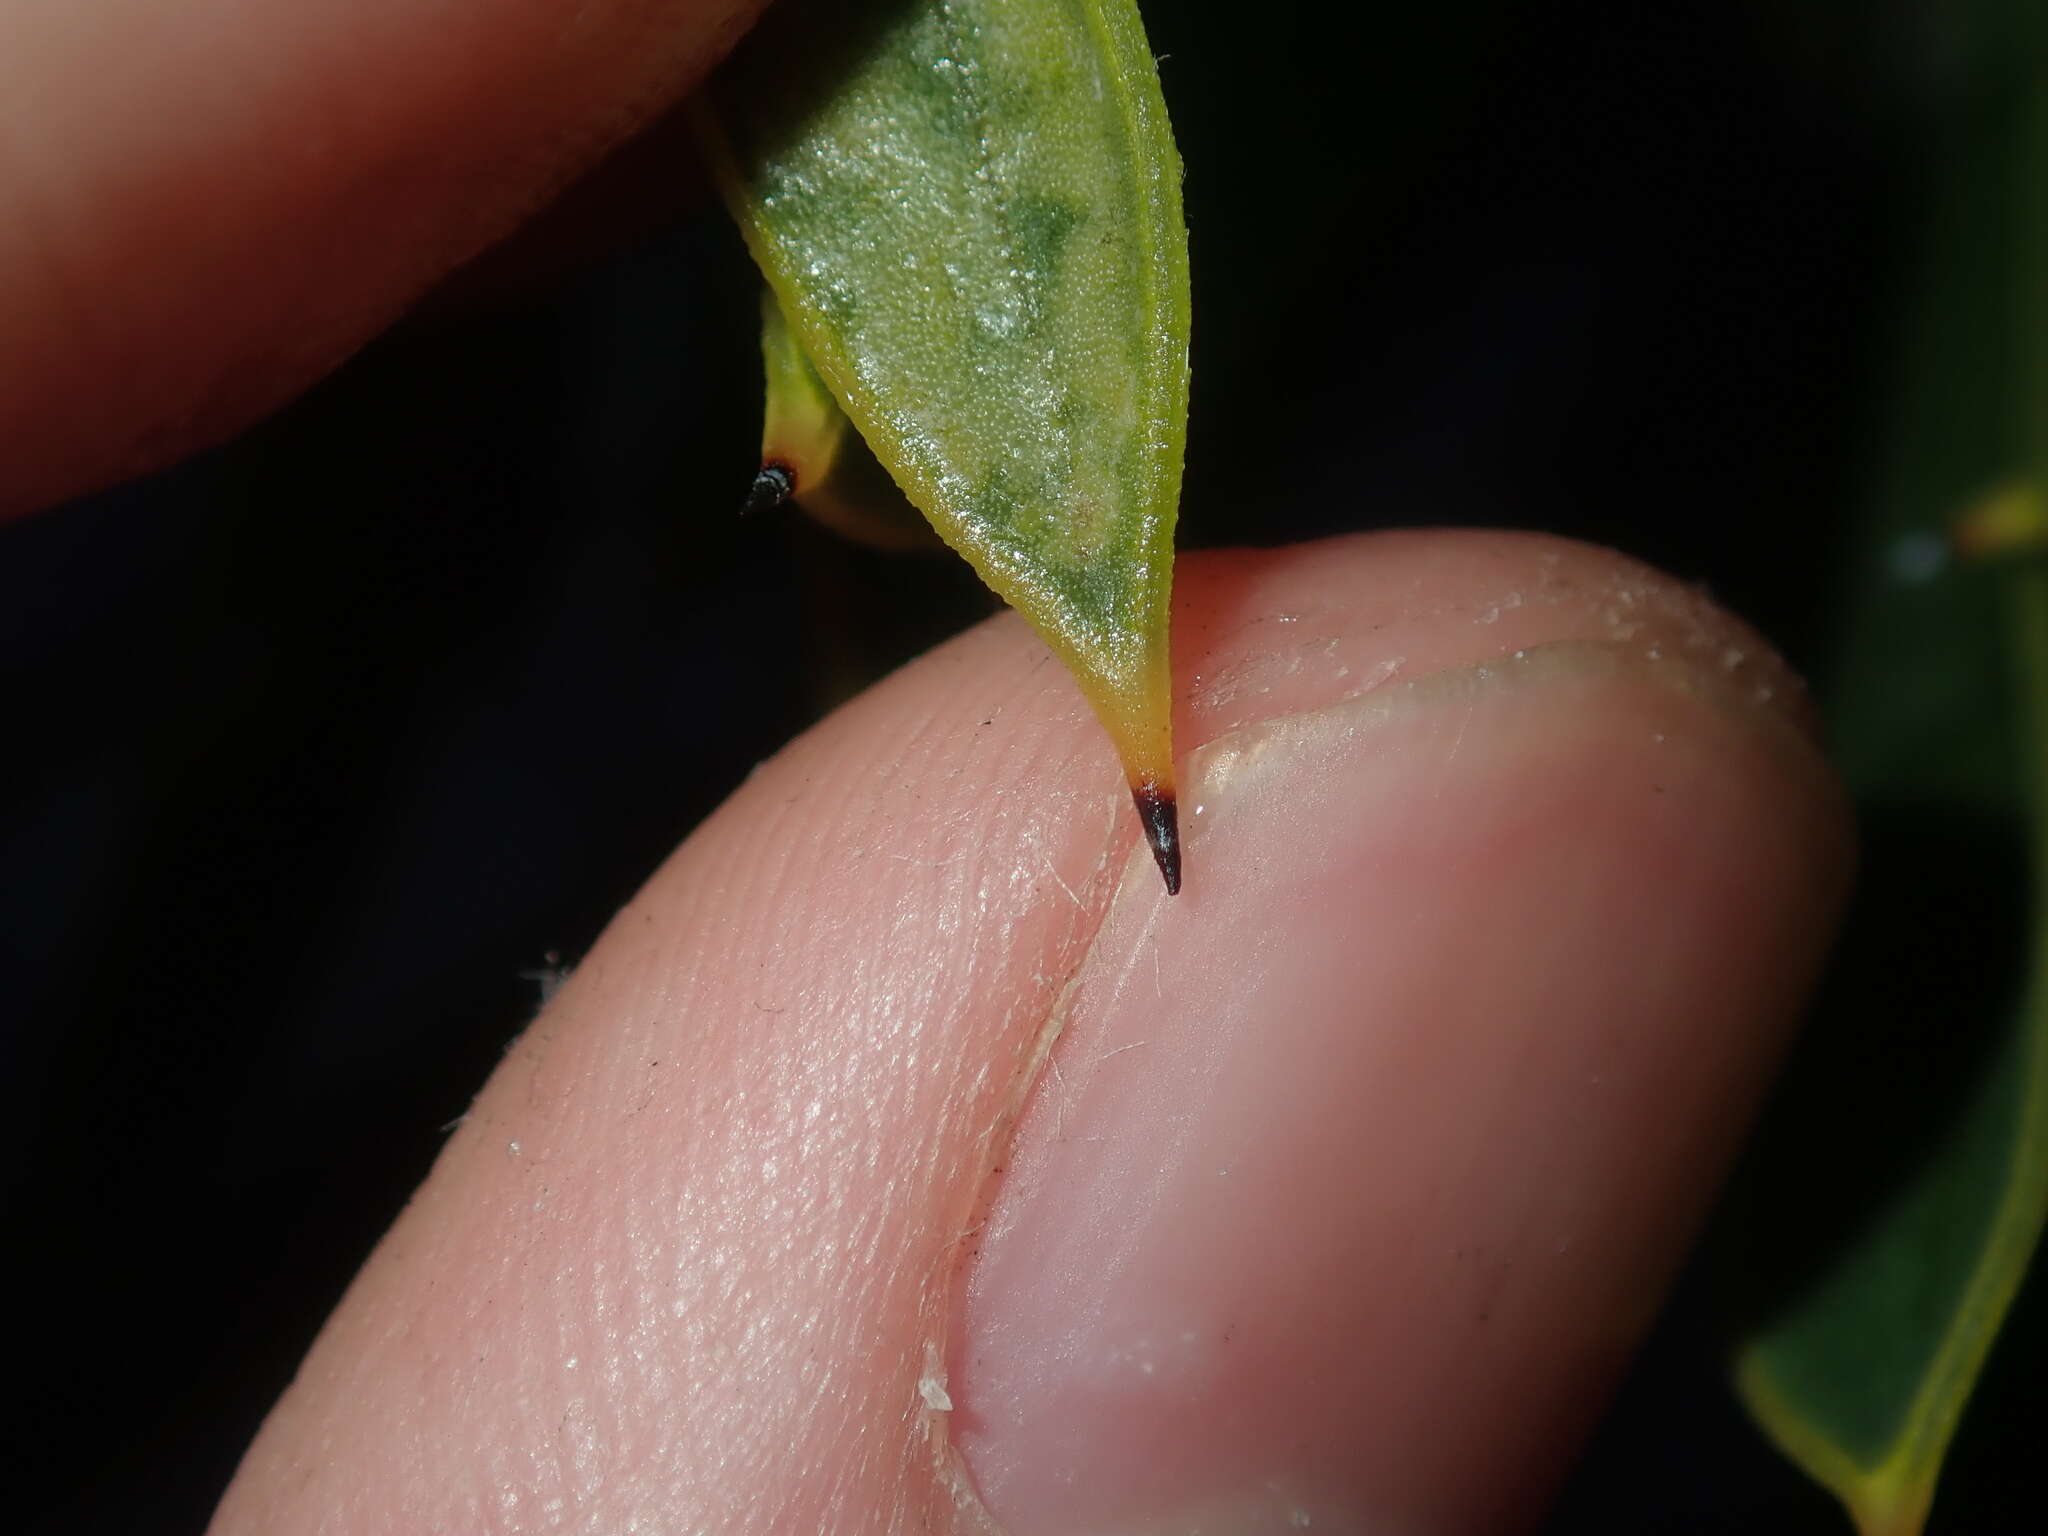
1159, 814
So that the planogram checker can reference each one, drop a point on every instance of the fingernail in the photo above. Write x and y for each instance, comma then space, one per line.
1362, 1165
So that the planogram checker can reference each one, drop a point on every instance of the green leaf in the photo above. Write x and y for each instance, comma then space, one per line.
969, 213
1909, 1209
811, 454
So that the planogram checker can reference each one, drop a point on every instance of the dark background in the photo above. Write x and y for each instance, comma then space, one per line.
324, 743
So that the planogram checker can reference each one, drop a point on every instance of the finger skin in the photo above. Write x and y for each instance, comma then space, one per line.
1364, 1165
742, 1215
205, 206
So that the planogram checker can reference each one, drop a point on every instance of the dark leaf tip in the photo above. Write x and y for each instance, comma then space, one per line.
1159, 814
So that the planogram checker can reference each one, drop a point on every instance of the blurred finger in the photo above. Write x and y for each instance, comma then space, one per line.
208, 205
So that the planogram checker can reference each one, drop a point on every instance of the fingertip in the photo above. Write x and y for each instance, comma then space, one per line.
1366, 1163
1469, 964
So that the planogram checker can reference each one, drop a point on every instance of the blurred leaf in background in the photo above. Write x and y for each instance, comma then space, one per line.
1901, 1183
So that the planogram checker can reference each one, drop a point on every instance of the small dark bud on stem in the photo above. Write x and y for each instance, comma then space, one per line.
774, 485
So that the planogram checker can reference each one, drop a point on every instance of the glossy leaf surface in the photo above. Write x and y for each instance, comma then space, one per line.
969, 213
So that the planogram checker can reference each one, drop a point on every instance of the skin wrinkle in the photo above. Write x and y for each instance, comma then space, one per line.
1518, 579
1090, 911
